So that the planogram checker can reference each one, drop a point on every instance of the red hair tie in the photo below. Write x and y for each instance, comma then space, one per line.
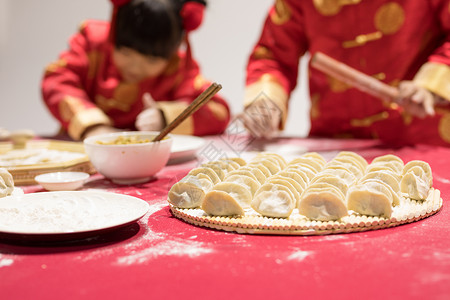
192, 15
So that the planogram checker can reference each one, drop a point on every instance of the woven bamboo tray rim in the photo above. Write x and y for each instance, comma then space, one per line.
24, 174
407, 212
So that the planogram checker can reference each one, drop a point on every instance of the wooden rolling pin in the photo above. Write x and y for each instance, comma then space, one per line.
353, 77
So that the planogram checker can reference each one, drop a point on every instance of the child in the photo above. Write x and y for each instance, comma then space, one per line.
132, 73
403, 43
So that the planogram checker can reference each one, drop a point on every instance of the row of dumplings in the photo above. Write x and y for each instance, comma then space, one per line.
320, 190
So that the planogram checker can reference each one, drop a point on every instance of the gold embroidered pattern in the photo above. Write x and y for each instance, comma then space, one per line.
366, 122
124, 97
362, 39
281, 13
52, 67
332, 7
444, 127
389, 18
262, 53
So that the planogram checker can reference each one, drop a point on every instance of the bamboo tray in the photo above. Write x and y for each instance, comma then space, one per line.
24, 174
252, 223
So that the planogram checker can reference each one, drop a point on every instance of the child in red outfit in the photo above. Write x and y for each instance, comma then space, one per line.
132, 73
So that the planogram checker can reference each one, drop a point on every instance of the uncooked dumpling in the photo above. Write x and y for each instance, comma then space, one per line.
6, 183
220, 203
189, 192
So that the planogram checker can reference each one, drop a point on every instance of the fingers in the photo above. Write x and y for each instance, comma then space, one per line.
148, 101
260, 121
415, 100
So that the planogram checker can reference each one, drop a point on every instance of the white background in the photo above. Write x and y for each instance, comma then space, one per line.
33, 33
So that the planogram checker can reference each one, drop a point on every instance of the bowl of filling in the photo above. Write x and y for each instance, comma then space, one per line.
128, 157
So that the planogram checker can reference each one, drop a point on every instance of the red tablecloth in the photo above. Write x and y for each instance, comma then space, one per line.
161, 257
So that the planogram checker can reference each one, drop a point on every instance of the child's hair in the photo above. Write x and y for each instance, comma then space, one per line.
151, 27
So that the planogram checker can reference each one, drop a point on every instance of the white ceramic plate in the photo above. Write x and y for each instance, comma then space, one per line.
185, 146
62, 181
67, 214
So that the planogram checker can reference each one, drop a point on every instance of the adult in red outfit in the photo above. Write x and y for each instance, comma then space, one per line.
403, 43
135, 72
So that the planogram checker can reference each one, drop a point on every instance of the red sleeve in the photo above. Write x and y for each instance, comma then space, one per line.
64, 87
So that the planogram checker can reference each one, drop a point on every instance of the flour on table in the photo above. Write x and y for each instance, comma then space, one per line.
24, 157
299, 255
5, 262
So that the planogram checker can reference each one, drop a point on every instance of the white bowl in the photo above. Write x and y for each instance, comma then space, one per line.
129, 163
62, 181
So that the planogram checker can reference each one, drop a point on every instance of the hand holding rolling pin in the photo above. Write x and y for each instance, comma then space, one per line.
413, 99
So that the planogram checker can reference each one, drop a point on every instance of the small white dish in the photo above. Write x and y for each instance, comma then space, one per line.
62, 181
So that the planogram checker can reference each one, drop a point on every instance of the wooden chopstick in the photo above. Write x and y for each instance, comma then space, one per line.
193, 107
353, 77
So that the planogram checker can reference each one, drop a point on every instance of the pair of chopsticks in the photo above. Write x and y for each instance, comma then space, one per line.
353, 77
202, 99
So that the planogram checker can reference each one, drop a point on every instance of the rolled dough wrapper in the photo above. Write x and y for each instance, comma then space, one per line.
220, 203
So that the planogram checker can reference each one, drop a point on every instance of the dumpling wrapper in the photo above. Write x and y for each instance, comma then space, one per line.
322, 205
6, 183
277, 204
251, 183
220, 203
365, 200
189, 192
238, 192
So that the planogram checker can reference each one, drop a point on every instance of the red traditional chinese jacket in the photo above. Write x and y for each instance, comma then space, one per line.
84, 88
389, 40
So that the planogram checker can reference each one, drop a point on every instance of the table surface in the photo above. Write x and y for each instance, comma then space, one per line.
162, 256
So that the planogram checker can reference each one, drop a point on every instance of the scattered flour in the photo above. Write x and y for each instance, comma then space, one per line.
166, 248
299, 255
5, 262
150, 245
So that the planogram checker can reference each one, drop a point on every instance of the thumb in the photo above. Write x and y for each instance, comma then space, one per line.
148, 101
